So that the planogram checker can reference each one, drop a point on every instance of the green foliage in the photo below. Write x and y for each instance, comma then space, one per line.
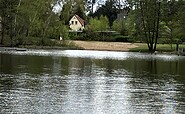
8, 16
99, 36
100, 24
170, 22
121, 38
149, 21
64, 32
66, 12
30, 18
161, 48
71, 7
157, 20
134, 26
109, 10
181, 25
120, 26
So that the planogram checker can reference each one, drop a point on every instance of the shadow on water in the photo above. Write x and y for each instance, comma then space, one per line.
91, 82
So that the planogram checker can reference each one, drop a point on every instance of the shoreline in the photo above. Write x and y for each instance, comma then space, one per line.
90, 45
85, 45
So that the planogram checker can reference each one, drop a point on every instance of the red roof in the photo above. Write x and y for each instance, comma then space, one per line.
82, 22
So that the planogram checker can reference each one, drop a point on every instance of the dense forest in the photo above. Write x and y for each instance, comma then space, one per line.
28, 22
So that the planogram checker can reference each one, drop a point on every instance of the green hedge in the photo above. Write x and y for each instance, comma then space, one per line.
99, 36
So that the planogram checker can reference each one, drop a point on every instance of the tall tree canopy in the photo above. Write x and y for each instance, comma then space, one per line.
149, 20
149, 16
8, 15
25, 18
109, 10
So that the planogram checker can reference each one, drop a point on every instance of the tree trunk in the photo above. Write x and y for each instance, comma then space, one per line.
157, 28
11, 31
2, 27
2, 31
15, 20
92, 7
144, 26
150, 13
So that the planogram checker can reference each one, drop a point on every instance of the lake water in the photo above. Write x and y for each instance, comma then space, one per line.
91, 82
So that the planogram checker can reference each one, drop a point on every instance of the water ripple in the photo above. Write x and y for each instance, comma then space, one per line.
96, 54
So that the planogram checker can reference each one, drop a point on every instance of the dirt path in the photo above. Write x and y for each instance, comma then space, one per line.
108, 46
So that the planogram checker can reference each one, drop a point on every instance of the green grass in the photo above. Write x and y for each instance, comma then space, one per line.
36, 42
160, 48
142, 47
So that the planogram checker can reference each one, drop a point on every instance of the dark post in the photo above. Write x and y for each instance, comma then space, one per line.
177, 46
0, 31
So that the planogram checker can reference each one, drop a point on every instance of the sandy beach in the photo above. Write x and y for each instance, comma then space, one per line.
105, 46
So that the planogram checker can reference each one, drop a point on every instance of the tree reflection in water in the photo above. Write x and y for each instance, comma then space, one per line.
136, 83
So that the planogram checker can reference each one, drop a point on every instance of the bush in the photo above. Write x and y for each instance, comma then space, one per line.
99, 36
121, 38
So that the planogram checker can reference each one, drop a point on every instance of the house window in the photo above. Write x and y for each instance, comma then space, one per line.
76, 22
72, 22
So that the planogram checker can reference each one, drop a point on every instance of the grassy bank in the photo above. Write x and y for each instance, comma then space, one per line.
37, 43
56, 44
160, 48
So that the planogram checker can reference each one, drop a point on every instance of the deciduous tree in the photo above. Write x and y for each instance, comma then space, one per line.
149, 11
100, 24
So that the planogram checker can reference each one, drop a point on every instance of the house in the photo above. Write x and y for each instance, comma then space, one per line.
76, 23
123, 14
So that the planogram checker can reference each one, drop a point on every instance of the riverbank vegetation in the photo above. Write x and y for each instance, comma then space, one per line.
161, 48
159, 24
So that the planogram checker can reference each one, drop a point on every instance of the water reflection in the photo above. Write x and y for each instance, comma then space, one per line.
78, 85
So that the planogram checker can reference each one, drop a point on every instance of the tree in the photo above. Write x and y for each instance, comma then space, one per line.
2, 20
97, 27
109, 10
72, 7
8, 14
181, 17
38, 14
149, 11
134, 25
66, 12
90, 6
79, 8
162, 19
120, 26
22, 19
100, 24
169, 21
180, 29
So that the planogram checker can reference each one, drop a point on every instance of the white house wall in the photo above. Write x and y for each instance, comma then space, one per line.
75, 24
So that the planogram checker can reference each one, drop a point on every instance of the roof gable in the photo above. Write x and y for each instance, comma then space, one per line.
82, 22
